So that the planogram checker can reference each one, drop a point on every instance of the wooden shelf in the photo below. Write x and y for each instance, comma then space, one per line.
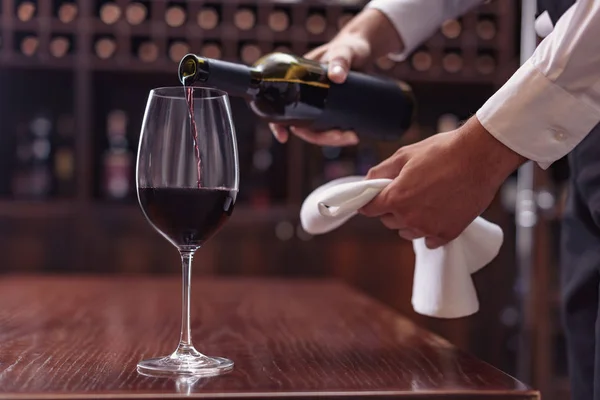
243, 214
38, 63
53, 24
18, 209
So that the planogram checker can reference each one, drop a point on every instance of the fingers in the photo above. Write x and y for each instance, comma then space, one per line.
396, 223
392, 222
384, 169
410, 234
316, 53
280, 132
435, 242
339, 59
376, 207
329, 138
380, 207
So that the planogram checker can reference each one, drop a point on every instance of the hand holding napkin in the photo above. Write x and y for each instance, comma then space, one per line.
442, 285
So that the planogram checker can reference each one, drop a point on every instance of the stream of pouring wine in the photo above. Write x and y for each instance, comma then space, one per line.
189, 91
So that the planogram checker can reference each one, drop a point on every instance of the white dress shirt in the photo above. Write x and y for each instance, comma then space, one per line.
552, 101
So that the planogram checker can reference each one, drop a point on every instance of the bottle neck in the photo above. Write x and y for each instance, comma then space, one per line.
236, 79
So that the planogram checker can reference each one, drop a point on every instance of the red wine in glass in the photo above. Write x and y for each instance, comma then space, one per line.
187, 184
187, 217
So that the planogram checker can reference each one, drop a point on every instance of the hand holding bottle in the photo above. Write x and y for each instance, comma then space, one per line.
342, 53
367, 36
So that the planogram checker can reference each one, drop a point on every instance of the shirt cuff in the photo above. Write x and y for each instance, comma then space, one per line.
537, 118
413, 22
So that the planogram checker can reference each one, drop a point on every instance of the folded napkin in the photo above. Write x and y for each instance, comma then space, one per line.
442, 285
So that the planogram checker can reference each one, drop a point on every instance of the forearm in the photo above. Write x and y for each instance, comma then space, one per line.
414, 21
553, 100
479, 147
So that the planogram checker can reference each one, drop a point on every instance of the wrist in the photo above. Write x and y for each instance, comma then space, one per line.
494, 156
376, 28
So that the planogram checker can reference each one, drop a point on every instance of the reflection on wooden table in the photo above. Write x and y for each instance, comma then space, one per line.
75, 337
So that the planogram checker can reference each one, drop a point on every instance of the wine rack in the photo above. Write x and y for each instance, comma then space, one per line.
86, 66
468, 49
93, 40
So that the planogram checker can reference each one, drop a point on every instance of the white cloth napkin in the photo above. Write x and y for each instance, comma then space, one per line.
442, 285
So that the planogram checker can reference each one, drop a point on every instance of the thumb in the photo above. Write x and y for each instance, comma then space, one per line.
389, 168
378, 206
340, 60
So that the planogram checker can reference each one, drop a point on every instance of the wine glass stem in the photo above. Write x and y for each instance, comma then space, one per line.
185, 342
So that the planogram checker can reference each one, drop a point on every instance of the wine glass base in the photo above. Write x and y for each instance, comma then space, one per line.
198, 365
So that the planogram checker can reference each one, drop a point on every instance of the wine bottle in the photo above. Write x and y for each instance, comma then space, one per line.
21, 171
177, 50
136, 13
316, 23
385, 63
279, 21
67, 12
41, 173
105, 47
110, 13
117, 159
291, 90
486, 29
208, 18
244, 19
148, 51
282, 48
485, 64
262, 162
29, 45
175, 16
249, 53
59, 46
64, 156
211, 50
451, 29
452, 62
421, 60
26, 11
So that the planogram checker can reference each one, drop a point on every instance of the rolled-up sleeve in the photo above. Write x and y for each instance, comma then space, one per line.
553, 100
417, 20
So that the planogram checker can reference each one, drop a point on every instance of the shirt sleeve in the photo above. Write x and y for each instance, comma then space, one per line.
417, 20
553, 100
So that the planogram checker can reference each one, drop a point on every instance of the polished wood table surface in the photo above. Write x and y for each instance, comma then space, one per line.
81, 337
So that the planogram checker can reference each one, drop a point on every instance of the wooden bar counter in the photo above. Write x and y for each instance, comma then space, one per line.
81, 337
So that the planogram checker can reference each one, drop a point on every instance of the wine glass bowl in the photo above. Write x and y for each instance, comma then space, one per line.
187, 179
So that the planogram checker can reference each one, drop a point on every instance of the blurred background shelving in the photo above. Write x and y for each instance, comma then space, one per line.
74, 80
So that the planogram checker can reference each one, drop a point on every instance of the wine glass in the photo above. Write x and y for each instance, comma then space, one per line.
187, 182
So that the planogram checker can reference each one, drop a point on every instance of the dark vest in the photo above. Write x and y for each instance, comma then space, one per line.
555, 8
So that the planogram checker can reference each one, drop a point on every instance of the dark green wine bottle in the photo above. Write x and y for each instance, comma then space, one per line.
290, 90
